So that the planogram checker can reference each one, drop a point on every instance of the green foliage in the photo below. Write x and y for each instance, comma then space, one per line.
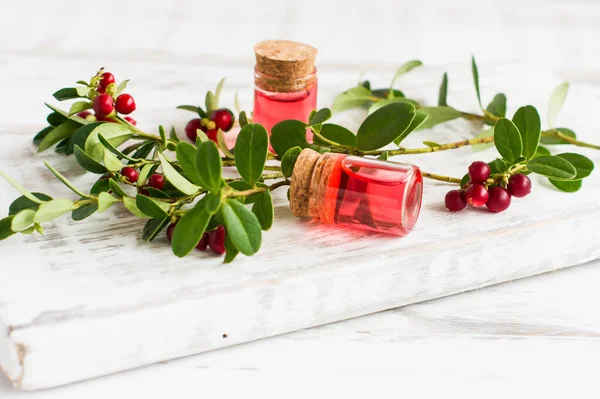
443, 94
243, 227
59, 133
288, 161
527, 120
24, 202
263, 209
384, 125
557, 98
288, 134
208, 166
352, 98
152, 208
498, 105
337, 134
87, 163
251, 149
52, 209
191, 228
475, 73
176, 179
554, 167
508, 140
437, 115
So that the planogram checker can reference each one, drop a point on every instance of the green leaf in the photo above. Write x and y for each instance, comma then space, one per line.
121, 87
438, 115
43, 133
242, 227
251, 148
84, 211
569, 186
65, 181
111, 161
218, 92
173, 135
508, 140
144, 173
223, 144
406, 67
23, 202
542, 151
116, 189
527, 120
431, 144
186, 156
583, 165
482, 135
337, 134
230, 250
190, 229
56, 118
59, 133
211, 102
108, 146
153, 227
382, 103
443, 95
264, 211
20, 188
100, 185
419, 119
318, 118
59, 111
163, 135
557, 98
5, 230
131, 205
498, 106
105, 201
554, 167
475, 72
115, 133
288, 161
22, 220
61, 148
241, 185
178, 181
384, 155
384, 126
288, 134
152, 208
143, 150
209, 166
87, 162
501, 166
52, 209
79, 106
352, 98
556, 140
80, 136
243, 119
69, 93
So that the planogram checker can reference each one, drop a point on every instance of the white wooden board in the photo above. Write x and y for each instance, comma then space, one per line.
90, 298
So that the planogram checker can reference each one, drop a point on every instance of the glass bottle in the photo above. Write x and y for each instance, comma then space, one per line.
358, 192
285, 81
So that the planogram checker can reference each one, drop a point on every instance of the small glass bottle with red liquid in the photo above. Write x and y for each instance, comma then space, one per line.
285, 82
358, 192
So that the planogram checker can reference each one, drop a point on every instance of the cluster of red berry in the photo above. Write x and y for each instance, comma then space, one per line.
221, 118
155, 180
215, 239
477, 193
106, 106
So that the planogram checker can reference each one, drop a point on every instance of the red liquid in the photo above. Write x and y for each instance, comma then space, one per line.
272, 108
374, 195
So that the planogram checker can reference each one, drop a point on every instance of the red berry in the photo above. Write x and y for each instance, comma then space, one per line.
455, 200
203, 243
130, 174
84, 114
476, 195
170, 230
157, 181
223, 118
499, 199
143, 191
216, 240
212, 134
479, 172
101, 89
125, 104
519, 185
107, 78
103, 105
191, 128
130, 120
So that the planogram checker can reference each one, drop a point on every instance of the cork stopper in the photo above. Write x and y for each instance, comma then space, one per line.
285, 65
301, 182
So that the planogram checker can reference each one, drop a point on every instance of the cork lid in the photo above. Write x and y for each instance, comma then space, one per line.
284, 58
301, 182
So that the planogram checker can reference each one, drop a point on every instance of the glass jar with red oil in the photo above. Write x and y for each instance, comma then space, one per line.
358, 192
285, 80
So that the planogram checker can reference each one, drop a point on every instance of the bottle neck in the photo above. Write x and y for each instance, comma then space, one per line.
287, 84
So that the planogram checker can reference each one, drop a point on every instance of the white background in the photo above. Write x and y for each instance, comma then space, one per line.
494, 343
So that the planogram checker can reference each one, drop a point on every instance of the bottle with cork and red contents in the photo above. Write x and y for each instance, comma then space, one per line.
285, 82
358, 192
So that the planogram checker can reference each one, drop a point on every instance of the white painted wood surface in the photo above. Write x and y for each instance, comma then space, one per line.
58, 306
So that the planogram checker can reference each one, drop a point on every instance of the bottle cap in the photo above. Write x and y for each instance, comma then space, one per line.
284, 66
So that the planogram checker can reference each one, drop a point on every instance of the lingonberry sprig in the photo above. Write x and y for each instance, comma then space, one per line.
179, 186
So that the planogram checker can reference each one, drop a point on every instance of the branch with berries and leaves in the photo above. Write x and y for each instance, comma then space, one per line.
179, 185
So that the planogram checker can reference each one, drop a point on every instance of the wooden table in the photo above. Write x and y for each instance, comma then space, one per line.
539, 334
